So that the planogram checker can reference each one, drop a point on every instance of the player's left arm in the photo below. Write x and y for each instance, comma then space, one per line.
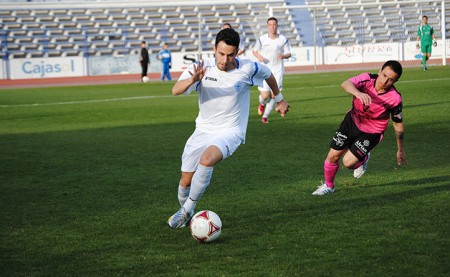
399, 136
286, 53
282, 107
399, 128
284, 56
434, 39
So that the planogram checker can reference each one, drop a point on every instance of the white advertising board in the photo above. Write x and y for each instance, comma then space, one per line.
362, 53
301, 56
127, 64
412, 53
2, 70
46, 67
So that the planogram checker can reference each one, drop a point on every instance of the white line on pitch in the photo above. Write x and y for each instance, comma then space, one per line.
85, 101
168, 96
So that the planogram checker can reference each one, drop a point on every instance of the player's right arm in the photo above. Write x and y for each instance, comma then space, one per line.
419, 34
258, 56
350, 88
183, 84
256, 49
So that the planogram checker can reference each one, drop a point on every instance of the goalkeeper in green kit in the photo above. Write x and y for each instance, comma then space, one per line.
425, 34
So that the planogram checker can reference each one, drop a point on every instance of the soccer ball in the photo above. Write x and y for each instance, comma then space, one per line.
205, 226
145, 79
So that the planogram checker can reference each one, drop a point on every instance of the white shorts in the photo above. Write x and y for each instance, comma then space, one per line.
278, 77
199, 141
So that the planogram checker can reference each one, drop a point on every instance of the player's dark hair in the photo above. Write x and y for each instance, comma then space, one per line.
227, 24
425, 17
272, 18
395, 66
229, 36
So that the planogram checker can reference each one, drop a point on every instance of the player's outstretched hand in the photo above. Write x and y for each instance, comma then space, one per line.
435, 43
401, 158
282, 108
364, 98
199, 71
417, 46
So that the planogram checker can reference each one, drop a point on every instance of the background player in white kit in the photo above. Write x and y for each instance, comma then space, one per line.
241, 43
223, 85
271, 49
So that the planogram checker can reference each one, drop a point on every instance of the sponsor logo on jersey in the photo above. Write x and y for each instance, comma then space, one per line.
210, 79
339, 139
361, 146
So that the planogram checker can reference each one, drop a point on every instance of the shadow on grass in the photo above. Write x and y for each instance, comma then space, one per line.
418, 182
317, 98
425, 104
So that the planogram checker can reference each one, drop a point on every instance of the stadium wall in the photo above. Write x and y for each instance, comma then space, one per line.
320, 56
46, 68
2, 70
128, 64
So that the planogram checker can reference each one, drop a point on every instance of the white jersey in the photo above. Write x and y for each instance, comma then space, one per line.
270, 48
224, 96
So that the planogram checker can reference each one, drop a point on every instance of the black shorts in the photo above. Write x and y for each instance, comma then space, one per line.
348, 136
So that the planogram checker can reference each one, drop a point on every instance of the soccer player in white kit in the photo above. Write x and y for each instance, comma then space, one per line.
271, 49
223, 85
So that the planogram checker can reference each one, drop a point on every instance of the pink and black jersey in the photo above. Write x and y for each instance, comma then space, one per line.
374, 118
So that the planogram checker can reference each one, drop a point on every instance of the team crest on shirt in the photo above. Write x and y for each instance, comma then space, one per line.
366, 143
238, 86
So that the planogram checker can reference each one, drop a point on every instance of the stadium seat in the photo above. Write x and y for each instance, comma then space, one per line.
337, 25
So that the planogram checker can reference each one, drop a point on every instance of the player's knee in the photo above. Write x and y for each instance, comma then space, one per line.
332, 159
348, 165
265, 95
207, 161
349, 162
185, 181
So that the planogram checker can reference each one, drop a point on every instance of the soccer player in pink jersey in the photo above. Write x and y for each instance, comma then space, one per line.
375, 99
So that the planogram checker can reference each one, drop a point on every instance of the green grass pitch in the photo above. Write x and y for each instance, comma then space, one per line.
89, 176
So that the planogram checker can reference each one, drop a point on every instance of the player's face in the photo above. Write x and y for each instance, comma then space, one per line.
386, 79
272, 27
424, 21
225, 55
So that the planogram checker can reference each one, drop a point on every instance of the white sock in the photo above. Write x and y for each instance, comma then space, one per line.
262, 101
269, 108
200, 181
183, 194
